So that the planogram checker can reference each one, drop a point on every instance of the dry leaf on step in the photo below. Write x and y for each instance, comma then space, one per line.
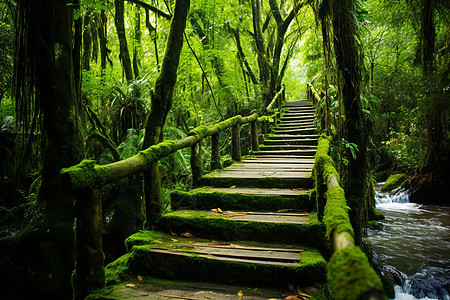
219, 210
187, 235
292, 297
130, 285
232, 187
240, 293
139, 277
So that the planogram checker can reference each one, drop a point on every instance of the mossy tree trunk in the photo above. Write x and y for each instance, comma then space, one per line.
47, 40
102, 36
87, 41
161, 103
137, 42
349, 78
120, 27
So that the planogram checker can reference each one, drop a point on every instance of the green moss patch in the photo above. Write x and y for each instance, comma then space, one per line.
207, 199
336, 217
217, 226
393, 182
350, 275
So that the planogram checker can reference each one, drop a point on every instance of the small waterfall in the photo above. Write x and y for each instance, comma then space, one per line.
414, 240
401, 196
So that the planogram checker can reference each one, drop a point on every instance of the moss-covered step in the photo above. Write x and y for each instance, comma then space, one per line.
289, 136
310, 130
291, 141
283, 146
266, 179
250, 263
242, 199
273, 227
302, 152
307, 160
300, 102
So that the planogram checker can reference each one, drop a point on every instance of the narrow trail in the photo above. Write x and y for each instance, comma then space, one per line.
249, 223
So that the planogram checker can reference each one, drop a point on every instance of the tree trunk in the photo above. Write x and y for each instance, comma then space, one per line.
48, 39
87, 41
137, 42
161, 103
349, 74
120, 27
102, 34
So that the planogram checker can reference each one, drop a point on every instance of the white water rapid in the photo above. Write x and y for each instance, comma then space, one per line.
415, 240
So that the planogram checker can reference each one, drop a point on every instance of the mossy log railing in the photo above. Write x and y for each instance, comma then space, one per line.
87, 179
321, 110
350, 275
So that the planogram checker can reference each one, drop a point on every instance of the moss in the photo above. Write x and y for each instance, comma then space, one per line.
217, 226
199, 132
310, 270
374, 214
117, 269
375, 225
350, 275
162, 149
87, 174
336, 217
207, 199
393, 182
228, 123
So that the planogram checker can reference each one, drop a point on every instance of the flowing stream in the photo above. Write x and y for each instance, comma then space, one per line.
415, 240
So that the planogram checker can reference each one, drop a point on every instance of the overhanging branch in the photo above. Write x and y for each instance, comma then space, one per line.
152, 8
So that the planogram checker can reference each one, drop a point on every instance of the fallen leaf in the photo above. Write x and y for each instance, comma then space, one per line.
270, 212
207, 187
174, 240
219, 210
139, 277
173, 233
232, 187
270, 251
187, 235
214, 210
130, 285
240, 293
291, 297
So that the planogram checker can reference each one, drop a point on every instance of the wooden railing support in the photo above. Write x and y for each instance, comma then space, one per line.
196, 162
236, 142
215, 156
90, 273
254, 135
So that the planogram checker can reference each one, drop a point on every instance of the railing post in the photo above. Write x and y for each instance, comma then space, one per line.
196, 162
215, 157
254, 135
90, 273
236, 142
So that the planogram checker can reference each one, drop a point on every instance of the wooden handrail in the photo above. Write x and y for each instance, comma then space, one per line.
87, 179
277, 95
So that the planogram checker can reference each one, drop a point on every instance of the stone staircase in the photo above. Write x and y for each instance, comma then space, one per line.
249, 223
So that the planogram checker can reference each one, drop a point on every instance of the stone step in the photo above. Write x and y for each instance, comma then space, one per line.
256, 264
236, 198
